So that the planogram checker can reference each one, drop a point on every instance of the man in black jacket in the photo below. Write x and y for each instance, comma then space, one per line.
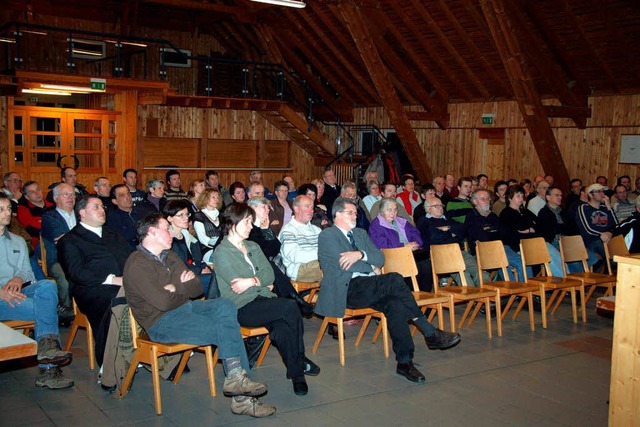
93, 258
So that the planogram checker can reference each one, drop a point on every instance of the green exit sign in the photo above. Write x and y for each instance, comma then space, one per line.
33, 99
487, 119
98, 84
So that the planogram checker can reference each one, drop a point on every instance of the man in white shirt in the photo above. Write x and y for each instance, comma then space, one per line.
540, 200
299, 239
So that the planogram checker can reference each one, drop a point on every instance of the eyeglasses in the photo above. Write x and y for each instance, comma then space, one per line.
350, 213
182, 215
436, 206
67, 194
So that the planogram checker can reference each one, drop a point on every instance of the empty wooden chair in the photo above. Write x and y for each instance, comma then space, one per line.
615, 246
534, 253
350, 313
81, 321
446, 260
400, 260
492, 257
148, 351
572, 249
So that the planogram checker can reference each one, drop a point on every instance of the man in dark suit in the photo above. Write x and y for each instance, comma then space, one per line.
331, 189
93, 258
352, 278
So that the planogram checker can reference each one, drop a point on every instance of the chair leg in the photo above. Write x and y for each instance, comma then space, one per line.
263, 351
320, 335
590, 292
91, 347
510, 302
183, 362
440, 310
554, 294
208, 354
465, 314
341, 340
385, 335
452, 314
532, 324
498, 314
72, 335
126, 384
363, 328
376, 335
558, 302
487, 307
543, 300
584, 303
574, 305
518, 309
476, 310
155, 373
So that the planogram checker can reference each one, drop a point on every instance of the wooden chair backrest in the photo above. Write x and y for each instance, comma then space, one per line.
572, 249
447, 259
134, 328
534, 252
615, 246
491, 256
43, 257
401, 261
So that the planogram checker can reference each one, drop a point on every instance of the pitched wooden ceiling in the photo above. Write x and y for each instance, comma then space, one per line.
436, 51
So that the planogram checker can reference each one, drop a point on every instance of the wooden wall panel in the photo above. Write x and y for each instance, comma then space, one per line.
587, 152
181, 152
232, 154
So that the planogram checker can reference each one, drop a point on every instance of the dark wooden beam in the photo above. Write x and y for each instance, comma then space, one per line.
433, 26
379, 75
426, 116
408, 23
559, 82
571, 112
533, 112
243, 13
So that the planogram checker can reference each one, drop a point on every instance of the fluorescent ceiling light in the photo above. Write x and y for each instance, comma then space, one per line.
78, 89
288, 3
46, 92
127, 43
40, 33
7, 40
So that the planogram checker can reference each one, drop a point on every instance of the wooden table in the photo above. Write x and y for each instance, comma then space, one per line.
14, 345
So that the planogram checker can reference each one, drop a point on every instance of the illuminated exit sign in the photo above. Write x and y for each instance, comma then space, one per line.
487, 119
98, 84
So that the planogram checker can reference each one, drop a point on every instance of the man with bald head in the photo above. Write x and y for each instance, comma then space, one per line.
299, 239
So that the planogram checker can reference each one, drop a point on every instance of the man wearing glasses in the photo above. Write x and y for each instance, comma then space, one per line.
352, 278
93, 258
596, 220
13, 189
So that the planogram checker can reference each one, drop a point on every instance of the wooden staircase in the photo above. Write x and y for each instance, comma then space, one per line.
295, 126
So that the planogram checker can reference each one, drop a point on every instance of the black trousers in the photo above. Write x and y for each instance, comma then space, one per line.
283, 320
389, 294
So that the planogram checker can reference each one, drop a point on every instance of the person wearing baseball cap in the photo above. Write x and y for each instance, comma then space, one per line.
596, 220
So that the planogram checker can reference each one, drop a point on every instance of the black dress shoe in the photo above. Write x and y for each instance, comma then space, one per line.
410, 372
109, 388
300, 386
311, 368
333, 331
442, 340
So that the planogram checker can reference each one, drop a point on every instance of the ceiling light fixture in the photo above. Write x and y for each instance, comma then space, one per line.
127, 43
7, 40
47, 92
76, 89
299, 4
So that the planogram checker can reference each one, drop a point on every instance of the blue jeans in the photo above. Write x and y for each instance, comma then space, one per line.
41, 305
514, 261
204, 322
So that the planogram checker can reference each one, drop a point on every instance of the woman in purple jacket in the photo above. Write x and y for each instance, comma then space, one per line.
388, 230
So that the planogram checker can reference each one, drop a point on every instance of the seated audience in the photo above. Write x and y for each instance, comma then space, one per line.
349, 191
293, 192
195, 189
24, 298
13, 189
124, 216
237, 192
174, 189
256, 176
499, 190
212, 180
483, 181
281, 209
352, 278
574, 195
409, 198
245, 276
631, 225
389, 191
622, 206
206, 222
458, 208
426, 191
160, 289
331, 189
596, 220
184, 243
93, 257
130, 179
439, 184
255, 189
155, 194
300, 243
68, 175
388, 230
538, 200
373, 195
320, 218
102, 189
30, 212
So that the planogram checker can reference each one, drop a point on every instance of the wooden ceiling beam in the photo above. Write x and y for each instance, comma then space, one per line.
342, 106
340, 80
352, 76
433, 55
568, 111
407, 79
471, 44
433, 26
331, 42
365, 43
560, 83
515, 62
242, 13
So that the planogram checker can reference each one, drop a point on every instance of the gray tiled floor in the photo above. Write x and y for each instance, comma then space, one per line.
547, 377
